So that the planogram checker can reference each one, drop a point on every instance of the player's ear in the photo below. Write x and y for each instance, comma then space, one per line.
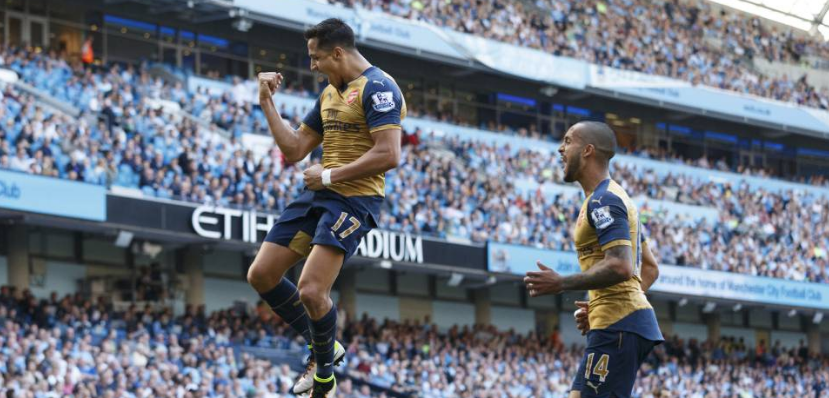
588, 150
338, 53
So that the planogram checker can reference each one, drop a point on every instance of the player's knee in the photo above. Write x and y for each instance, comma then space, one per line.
311, 295
253, 274
260, 278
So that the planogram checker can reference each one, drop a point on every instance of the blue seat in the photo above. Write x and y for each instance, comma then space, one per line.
124, 179
61, 160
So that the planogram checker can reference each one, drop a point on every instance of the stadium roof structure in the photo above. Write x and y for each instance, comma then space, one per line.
197, 11
808, 15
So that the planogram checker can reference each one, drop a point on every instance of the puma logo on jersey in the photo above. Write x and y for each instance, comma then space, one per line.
593, 386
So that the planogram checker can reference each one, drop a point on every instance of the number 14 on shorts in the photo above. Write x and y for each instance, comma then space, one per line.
600, 369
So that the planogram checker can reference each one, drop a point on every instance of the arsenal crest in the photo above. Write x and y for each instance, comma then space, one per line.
352, 96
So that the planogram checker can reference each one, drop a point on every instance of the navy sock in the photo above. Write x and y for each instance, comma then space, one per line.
284, 301
324, 331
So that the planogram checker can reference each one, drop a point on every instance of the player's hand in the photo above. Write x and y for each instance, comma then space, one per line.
582, 322
269, 82
545, 281
313, 177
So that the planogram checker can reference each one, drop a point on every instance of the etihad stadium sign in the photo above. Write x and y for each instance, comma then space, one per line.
392, 246
246, 228
249, 225
218, 223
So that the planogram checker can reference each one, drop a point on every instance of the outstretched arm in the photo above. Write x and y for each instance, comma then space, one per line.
616, 267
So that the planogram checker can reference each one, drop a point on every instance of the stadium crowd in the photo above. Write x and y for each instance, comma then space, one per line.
72, 346
487, 363
445, 186
473, 194
687, 40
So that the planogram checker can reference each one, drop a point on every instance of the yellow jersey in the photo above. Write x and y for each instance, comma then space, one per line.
346, 117
609, 218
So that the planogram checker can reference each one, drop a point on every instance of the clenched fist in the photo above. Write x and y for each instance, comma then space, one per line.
313, 177
269, 82
582, 320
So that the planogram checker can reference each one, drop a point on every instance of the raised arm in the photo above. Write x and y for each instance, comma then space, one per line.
294, 144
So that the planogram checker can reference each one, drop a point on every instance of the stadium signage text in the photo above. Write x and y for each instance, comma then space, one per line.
243, 227
692, 281
674, 279
392, 246
11, 192
218, 223
204, 217
36, 194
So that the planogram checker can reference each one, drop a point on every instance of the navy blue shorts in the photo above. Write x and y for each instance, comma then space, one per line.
610, 363
325, 218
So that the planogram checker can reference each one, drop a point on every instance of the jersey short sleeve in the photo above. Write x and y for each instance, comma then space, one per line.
314, 119
382, 103
608, 215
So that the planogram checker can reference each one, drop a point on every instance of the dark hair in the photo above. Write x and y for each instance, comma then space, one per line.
332, 32
601, 136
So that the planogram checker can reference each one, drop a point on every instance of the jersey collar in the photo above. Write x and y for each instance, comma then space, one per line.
345, 85
604, 182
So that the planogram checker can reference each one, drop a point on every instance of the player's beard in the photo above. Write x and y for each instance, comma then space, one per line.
572, 169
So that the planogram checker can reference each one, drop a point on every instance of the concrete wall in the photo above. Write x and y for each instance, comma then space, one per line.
449, 313
378, 306
520, 319
222, 293
55, 276
689, 331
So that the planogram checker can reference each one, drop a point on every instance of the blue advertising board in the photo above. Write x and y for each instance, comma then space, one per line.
673, 279
47, 195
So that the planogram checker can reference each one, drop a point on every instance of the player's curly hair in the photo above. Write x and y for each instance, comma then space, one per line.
332, 32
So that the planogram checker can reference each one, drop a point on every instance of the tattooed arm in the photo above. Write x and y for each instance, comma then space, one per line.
616, 267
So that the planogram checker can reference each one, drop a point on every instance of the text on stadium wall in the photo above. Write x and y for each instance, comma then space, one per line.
223, 223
